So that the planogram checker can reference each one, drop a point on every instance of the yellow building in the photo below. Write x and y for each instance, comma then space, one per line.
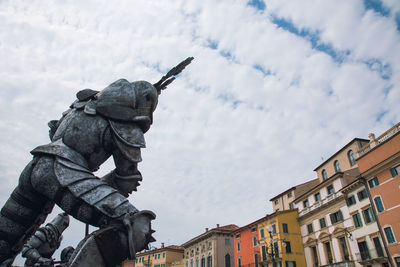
280, 240
159, 257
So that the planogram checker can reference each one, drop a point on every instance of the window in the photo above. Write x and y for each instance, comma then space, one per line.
238, 246
274, 229
343, 248
397, 260
378, 247
357, 220
315, 256
305, 203
289, 194
328, 252
351, 200
197, 262
317, 196
389, 235
209, 261
227, 242
256, 259
227, 260
322, 223
264, 253
368, 216
276, 201
255, 241
290, 264
191, 263
262, 233
285, 228
395, 171
362, 194
373, 182
310, 228
336, 217
364, 252
163, 255
276, 250
330, 190
203, 262
379, 204
287, 247
239, 262
337, 166
237, 236
351, 157
324, 174
291, 206
254, 229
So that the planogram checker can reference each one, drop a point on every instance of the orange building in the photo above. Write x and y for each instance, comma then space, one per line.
246, 249
379, 164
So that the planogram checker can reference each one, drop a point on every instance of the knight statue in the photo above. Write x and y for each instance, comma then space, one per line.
44, 242
98, 125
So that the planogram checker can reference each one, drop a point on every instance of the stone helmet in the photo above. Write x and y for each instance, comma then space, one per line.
130, 102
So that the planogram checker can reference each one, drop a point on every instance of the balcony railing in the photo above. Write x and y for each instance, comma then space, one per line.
371, 255
382, 138
319, 203
340, 264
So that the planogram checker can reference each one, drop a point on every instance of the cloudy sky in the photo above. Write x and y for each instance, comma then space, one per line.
275, 87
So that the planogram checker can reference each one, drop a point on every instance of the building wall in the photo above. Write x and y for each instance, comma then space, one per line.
247, 249
213, 246
162, 257
343, 159
293, 236
282, 202
377, 163
367, 231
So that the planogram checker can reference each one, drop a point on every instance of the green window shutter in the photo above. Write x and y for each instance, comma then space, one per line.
379, 204
393, 172
389, 235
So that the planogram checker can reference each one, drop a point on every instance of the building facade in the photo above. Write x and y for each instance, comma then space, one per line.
284, 201
379, 164
159, 257
246, 246
279, 240
213, 248
325, 221
365, 231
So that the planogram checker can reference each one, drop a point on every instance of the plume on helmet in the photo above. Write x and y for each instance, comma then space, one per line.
168, 78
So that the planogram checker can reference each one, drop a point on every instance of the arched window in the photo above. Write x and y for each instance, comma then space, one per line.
337, 166
324, 174
209, 261
227, 260
352, 159
203, 262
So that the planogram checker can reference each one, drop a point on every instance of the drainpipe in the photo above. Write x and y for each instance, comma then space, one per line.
364, 181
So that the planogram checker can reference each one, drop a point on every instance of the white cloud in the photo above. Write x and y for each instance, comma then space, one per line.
224, 132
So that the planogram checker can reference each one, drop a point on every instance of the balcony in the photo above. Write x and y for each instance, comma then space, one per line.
319, 203
340, 264
371, 256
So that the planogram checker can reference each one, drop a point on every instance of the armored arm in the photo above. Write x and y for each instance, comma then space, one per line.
30, 249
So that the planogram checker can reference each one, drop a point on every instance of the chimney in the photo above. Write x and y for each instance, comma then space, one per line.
162, 245
206, 229
217, 225
372, 140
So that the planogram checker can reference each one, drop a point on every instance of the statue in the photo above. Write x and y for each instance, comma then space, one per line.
44, 242
98, 125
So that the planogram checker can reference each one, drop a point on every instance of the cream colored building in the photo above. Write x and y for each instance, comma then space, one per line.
325, 222
213, 248
284, 201
158, 257
365, 229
